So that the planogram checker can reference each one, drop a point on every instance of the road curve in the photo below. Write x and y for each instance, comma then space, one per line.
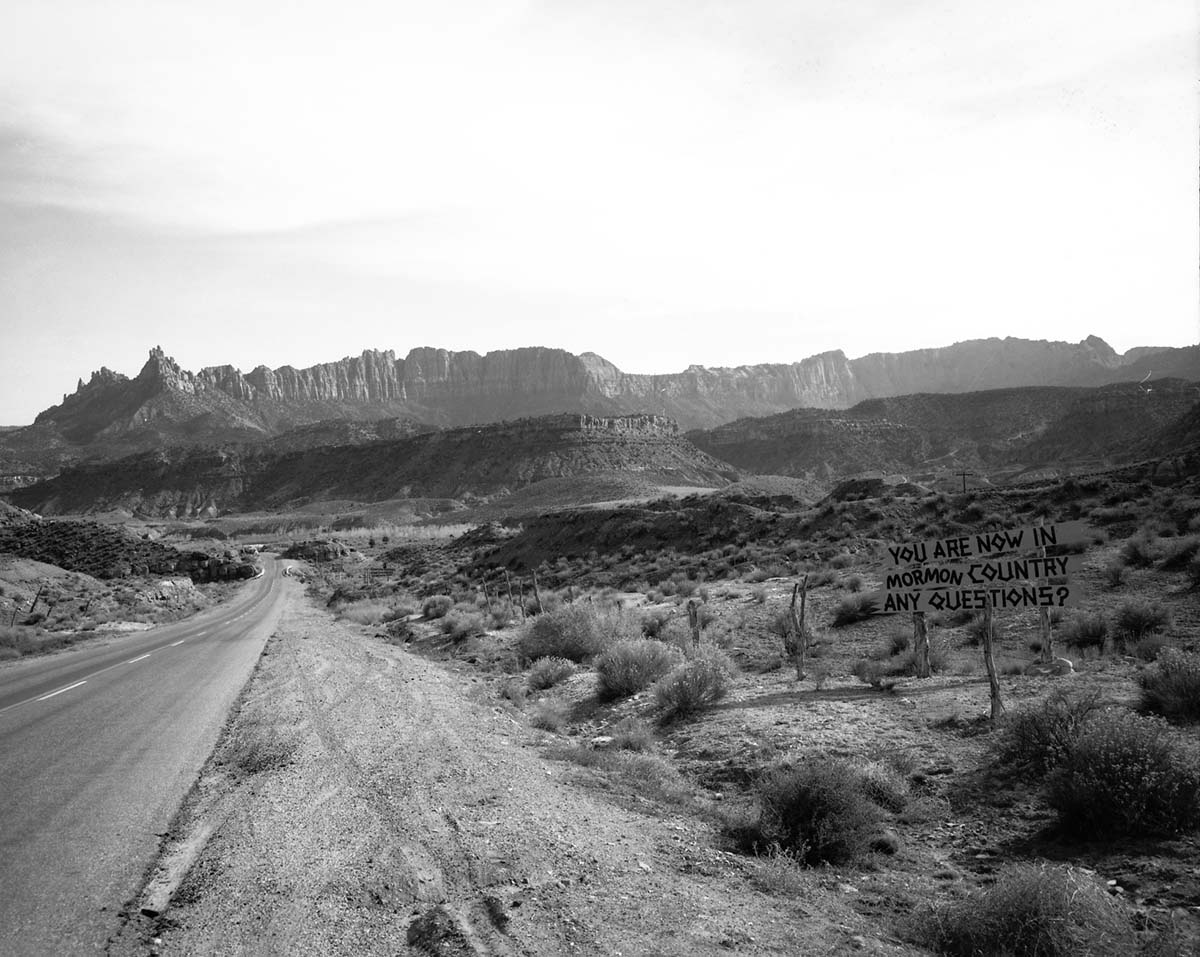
98, 746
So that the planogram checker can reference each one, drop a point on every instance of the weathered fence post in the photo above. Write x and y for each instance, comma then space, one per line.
693, 610
990, 662
537, 595
921, 645
796, 639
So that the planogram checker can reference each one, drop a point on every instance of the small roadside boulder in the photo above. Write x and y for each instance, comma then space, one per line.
1051, 669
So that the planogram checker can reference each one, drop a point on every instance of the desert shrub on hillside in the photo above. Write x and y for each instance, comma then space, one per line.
1177, 555
1127, 775
1036, 910
628, 667
1149, 648
549, 715
547, 672
1038, 739
1116, 573
851, 609
1085, 630
653, 622
577, 632
372, 611
462, 623
436, 606
632, 734
1172, 686
694, 685
1141, 550
818, 811
1137, 619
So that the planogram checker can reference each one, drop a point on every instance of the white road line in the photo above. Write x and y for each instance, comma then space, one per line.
179, 642
61, 690
138, 658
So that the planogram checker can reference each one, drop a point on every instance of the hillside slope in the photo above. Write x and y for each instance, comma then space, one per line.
996, 429
468, 464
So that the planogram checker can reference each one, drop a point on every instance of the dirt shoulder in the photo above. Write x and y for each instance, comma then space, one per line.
366, 800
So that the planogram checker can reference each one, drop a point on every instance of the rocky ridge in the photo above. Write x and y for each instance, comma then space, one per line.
1001, 429
466, 464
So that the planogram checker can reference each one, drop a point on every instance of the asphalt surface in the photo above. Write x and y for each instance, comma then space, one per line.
98, 747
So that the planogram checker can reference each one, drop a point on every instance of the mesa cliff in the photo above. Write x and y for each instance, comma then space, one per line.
112, 415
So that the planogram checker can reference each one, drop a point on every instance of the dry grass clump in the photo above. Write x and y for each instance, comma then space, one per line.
694, 685
1125, 774
547, 672
1172, 687
1035, 911
820, 811
630, 666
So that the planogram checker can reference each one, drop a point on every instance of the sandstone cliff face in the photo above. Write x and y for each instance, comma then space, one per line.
112, 414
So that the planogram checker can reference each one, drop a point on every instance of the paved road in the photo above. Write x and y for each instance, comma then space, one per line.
98, 747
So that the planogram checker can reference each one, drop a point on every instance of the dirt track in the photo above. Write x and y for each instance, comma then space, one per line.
414, 810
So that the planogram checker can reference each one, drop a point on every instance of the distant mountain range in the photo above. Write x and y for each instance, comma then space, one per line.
112, 415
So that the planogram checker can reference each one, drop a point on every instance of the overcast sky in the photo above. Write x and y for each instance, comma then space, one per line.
663, 182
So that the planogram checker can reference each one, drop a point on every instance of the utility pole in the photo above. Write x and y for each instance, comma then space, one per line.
964, 475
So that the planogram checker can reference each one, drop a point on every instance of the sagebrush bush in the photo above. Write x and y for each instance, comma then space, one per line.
851, 609
817, 811
884, 784
1148, 648
1177, 555
436, 606
1137, 619
694, 685
1172, 686
1127, 775
1141, 550
577, 632
547, 672
1038, 739
630, 666
653, 623
1115, 573
460, 624
1034, 911
1086, 630
1193, 572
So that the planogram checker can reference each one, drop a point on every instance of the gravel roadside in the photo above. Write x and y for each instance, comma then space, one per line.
367, 801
